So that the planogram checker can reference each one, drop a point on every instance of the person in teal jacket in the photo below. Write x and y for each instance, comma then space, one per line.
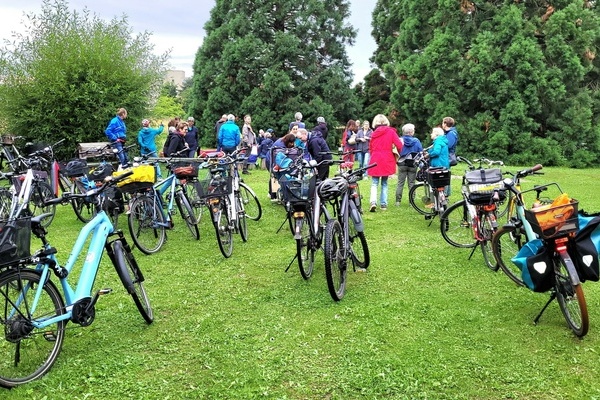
146, 140
438, 154
230, 135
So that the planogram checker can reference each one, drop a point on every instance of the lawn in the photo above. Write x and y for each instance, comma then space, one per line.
424, 323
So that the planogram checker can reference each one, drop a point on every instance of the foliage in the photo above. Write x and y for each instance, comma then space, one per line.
67, 76
167, 107
519, 77
290, 56
374, 96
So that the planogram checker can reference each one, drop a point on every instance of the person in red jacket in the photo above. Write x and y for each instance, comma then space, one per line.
383, 140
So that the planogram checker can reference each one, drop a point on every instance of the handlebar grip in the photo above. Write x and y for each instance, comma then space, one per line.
536, 167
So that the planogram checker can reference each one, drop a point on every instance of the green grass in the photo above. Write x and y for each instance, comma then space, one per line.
424, 323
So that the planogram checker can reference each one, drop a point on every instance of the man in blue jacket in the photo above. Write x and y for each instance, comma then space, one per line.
115, 132
406, 167
230, 136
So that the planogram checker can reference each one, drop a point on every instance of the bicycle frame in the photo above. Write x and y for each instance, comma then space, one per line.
160, 189
100, 228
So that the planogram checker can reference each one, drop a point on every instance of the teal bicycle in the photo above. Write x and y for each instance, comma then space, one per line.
33, 313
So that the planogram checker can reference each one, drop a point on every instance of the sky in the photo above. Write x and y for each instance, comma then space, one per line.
178, 25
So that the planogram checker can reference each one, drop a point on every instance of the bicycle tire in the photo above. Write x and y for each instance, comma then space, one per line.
40, 192
359, 249
64, 183
506, 243
146, 224
505, 205
487, 230
36, 349
251, 202
187, 214
193, 194
224, 234
570, 298
305, 250
84, 210
455, 226
335, 264
132, 279
418, 197
242, 224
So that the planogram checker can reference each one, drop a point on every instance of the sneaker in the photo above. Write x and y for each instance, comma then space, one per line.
246, 172
373, 207
397, 204
383, 207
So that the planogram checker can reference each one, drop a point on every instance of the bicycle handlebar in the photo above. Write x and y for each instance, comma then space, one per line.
67, 196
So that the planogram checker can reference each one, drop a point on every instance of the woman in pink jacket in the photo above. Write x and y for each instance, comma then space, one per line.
383, 140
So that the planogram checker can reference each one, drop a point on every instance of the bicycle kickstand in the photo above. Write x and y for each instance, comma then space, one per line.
291, 262
287, 217
552, 297
473, 251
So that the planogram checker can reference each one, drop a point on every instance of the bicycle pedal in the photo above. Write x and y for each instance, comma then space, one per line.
104, 291
49, 336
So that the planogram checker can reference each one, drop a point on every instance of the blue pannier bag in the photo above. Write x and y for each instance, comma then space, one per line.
586, 246
536, 267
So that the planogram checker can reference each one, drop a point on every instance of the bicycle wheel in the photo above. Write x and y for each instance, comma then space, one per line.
64, 182
84, 210
420, 199
146, 224
187, 213
570, 299
360, 255
487, 230
132, 279
193, 194
241, 217
305, 249
335, 263
26, 352
5, 202
40, 192
455, 226
506, 243
504, 205
251, 203
223, 231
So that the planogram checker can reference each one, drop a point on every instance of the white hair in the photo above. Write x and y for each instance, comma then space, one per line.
298, 116
408, 129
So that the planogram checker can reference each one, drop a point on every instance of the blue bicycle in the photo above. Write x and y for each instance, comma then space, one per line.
33, 314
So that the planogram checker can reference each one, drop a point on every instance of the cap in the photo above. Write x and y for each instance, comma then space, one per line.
321, 120
191, 119
270, 130
145, 122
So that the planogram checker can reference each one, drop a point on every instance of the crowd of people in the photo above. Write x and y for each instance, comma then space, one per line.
362, 144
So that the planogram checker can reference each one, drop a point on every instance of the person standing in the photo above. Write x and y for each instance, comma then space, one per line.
264, 148
349, 148
406, 166
116, 133
229, 135
321, 127
220, 123
147, 142
383, 140
438, 154
191, 138
248, 141
363, 136
176, 144
452, 136
297, 121
319, 151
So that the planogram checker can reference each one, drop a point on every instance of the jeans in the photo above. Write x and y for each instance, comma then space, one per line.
362, 158
405, 173
192, 152
384, 190
121, 154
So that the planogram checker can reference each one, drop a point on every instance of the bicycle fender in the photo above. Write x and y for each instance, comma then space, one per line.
356, 217
570, 267
298, 229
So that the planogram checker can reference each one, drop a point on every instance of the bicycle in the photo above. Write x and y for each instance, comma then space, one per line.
149, 214
344, 235
220, 192
34, 313
427, 195
552, 264
472, 221
305, 212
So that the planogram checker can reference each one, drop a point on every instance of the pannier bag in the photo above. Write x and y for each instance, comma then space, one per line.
186, 169
560, 217
143, 177
76, 168
481, 185
438, 177
15, 240
586, 247
536, 266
